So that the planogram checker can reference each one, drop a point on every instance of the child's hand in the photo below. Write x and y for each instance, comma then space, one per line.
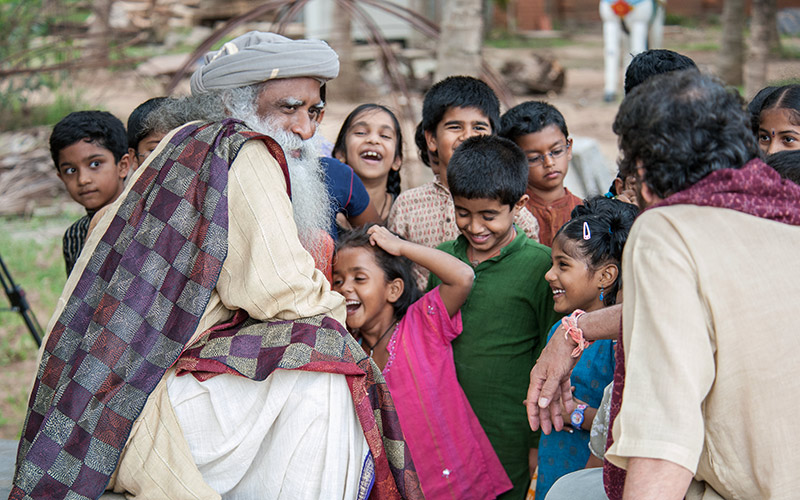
379, 235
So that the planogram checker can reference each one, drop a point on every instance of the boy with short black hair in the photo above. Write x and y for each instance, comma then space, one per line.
510, 308
540, 130
142, 136
454, 109
90, 153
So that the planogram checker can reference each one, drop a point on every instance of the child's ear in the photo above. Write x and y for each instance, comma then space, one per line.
124, 165
341, 156
396, 288
569, 149
608, 275
520, 204
397, 163
430, 140
619, 185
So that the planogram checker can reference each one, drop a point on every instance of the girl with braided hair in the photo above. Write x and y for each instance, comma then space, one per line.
585, 276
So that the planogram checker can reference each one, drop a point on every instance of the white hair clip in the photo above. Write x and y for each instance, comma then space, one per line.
587, 234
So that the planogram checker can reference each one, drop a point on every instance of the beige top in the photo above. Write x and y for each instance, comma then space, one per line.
267, 272
711, 343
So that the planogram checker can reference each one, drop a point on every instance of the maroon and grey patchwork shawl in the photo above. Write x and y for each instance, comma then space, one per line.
135, 306
754, 189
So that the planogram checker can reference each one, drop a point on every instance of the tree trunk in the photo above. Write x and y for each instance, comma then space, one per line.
100, 32
346, 85
762, 23
459, 51
731, 51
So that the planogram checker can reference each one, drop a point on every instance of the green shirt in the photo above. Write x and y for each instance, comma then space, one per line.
506, 319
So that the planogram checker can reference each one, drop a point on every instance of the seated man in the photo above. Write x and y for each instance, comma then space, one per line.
201, 269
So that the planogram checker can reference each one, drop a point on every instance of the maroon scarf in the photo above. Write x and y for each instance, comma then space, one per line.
754, 189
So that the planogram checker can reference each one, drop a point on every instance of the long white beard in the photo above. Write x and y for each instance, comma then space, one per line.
311, 202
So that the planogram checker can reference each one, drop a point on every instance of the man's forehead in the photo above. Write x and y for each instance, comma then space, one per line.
295, 91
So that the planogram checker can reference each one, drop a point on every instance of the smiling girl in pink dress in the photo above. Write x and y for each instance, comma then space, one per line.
409, 338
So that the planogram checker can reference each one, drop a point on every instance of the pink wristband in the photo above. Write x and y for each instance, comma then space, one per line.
571, 330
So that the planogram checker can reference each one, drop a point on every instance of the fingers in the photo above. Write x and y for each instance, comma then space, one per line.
531, 404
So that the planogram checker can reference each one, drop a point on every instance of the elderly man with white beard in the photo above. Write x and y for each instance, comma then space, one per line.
196, 352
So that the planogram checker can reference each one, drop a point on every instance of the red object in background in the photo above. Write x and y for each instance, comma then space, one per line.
621, 8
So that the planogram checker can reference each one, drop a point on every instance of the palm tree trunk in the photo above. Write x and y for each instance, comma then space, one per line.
459, 51
731, 52
762, 24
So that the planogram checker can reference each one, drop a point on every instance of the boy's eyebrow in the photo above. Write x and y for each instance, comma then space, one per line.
557, 143
88, 158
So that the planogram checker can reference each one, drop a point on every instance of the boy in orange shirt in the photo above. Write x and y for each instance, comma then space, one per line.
540, 131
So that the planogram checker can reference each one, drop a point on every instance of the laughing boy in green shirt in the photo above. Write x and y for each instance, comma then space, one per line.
510, 309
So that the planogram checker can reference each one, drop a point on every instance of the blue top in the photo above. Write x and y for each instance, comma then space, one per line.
348, 194
563, 452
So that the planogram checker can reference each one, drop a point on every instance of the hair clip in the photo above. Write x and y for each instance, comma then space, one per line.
587, 234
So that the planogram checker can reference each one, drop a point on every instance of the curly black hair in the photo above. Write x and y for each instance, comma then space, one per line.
609, 221
680, 127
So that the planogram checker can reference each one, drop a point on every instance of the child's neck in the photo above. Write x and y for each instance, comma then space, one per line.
375, 341
378, 196
551, 195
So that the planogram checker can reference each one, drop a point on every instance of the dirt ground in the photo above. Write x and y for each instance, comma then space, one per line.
580, 102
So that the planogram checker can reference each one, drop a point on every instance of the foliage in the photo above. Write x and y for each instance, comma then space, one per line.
38, 34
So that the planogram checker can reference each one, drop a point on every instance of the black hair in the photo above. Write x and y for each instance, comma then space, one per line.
787, 98
488, 167
393, 266
531, 117
649, 63
340, 146
422, 145
754, 107
680, 127
786, 163
459, 92
608, 221
99, 127
137, 124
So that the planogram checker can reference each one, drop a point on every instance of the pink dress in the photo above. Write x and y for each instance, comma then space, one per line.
451, 453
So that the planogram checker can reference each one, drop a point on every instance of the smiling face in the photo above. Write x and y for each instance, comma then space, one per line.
371, 145
549, 153
456, 126
368, 296
574, 285
91, 175
488, 225
777, 131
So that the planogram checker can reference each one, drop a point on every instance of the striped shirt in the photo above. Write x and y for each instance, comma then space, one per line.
74, 238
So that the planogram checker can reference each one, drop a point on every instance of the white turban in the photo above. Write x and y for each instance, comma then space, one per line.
256, 57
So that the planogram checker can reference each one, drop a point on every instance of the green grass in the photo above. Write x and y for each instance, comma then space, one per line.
31, 250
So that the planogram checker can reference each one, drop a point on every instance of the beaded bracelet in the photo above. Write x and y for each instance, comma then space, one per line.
571, 330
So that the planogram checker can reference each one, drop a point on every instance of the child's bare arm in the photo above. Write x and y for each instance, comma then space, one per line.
456, 276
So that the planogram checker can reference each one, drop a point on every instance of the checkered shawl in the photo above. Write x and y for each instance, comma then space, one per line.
255, 349
135, 306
